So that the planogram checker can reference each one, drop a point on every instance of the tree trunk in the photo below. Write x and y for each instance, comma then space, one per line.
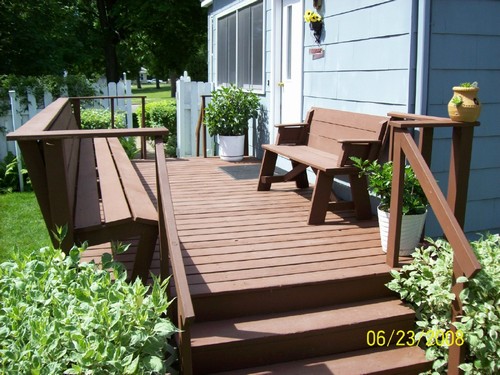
139, 83
173, 86
110, 39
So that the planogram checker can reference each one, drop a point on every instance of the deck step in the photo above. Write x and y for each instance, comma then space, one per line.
280, 294
272, 338
386, 361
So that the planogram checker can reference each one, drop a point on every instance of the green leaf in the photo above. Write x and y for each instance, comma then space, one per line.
132, 367
462, 279
154, 364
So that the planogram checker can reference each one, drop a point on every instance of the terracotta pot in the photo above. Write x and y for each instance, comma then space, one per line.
469, 109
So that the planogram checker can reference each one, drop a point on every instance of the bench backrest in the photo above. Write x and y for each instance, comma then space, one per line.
53, 163
327, 127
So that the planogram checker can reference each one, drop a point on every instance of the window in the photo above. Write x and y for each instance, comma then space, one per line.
240, 43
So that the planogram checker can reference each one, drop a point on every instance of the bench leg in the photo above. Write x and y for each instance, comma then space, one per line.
144, 256
320, 198
301, 180
360, 197
267, 169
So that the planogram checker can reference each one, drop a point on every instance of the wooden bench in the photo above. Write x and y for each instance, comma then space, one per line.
325, 142
84, 179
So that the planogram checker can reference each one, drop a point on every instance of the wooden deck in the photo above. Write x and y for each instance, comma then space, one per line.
276, 293
236, 238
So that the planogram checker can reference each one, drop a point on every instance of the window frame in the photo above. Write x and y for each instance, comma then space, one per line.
234, 10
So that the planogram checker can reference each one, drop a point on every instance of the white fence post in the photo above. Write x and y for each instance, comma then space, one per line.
13, 108
188, 111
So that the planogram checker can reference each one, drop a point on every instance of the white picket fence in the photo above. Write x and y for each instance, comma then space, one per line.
17, 115
188, 99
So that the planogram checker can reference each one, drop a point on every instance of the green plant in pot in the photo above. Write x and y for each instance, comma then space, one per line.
415, 202
227, 116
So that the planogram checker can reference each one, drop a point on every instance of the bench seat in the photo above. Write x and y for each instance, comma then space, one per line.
83, 179
325, 143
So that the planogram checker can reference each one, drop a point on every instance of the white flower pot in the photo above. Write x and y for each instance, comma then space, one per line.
231, 147
411, 231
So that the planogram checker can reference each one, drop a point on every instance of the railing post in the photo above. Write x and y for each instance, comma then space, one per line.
144, 151
396, 213
458, 182
456, 353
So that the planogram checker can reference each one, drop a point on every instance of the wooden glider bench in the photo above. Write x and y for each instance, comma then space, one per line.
325, 142
84, 179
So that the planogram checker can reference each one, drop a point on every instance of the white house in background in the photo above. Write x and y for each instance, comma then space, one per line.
374, 56
143, 75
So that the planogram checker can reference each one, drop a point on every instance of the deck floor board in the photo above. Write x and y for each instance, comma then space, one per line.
234, 237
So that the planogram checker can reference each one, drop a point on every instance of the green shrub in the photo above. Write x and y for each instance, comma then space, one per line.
426, 285
162, 113
93, 118
9, 178
61, 316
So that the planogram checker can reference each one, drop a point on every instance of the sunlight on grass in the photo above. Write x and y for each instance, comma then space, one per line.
21, 224
153, 94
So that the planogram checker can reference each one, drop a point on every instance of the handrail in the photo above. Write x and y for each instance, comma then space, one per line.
76, 102
404, 147
170, 250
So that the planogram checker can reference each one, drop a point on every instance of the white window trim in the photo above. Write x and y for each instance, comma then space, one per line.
260, 89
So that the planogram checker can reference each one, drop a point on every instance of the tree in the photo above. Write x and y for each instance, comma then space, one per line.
99, 36
44, 37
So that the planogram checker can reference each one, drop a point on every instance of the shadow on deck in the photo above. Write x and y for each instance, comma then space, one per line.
268, 288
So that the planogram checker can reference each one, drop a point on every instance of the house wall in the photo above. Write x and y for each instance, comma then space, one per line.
465, 47
368, 63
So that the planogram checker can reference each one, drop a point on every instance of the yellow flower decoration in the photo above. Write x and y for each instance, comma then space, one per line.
311, 16
315, 17
307, 15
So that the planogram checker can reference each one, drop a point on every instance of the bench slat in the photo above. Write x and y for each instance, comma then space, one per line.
87, 210
139, 202
318, 159
115, 206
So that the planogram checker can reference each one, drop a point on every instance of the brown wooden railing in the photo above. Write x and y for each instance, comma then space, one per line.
449, 212
77, 101
171, 258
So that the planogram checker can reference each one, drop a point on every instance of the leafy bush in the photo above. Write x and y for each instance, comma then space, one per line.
162, 113
380, 183
93, 118
9, 178
230, 109
426, 285
61, 316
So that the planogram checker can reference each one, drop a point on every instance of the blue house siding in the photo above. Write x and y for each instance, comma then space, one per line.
366, 67
465, 47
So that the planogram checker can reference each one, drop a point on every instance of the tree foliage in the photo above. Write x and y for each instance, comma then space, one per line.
100, 36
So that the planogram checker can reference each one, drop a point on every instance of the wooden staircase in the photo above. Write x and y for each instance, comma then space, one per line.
307, 328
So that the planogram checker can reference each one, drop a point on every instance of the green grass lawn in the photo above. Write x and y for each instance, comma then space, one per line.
153, 94
21, 224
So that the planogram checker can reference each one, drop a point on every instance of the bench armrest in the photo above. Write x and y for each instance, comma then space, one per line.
83, 133
293, 125
292, 134
362, 148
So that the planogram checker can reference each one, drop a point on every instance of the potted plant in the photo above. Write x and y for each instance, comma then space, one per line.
464, 105
227, 116
414, 202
